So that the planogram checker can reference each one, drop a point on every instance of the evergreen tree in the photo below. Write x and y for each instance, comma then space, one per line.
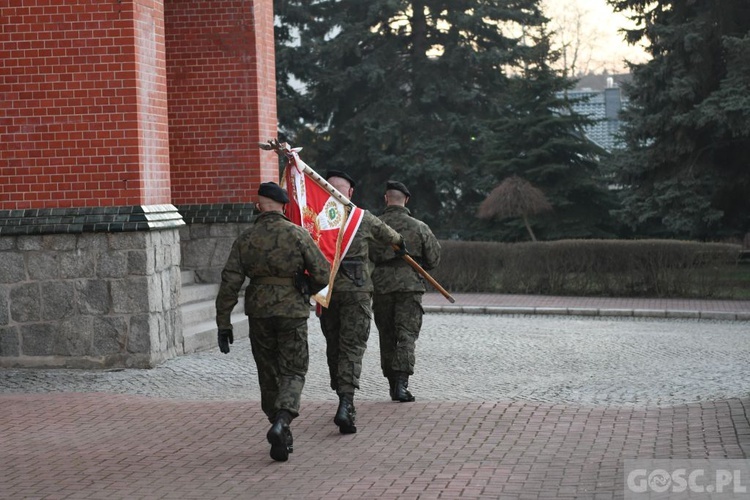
402, 89
687, 130
540, 138
447, 96
293, 19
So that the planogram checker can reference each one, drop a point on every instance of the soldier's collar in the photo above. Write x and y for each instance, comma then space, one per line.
393, 208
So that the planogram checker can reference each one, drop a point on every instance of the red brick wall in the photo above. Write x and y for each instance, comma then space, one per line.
151, 82
83, 102
76, 90
264, 88
222, 98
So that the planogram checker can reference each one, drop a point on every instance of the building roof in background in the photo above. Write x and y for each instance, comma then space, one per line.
600, 98
599, 82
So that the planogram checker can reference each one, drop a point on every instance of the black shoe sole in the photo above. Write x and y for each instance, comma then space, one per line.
347, 429
279, 447
408, 397
345, 426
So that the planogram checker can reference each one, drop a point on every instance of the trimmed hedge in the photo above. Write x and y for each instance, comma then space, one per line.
660, 268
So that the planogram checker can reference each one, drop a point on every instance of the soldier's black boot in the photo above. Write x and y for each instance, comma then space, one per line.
400, 391
392, 387
346, 414
280, 436
289, 440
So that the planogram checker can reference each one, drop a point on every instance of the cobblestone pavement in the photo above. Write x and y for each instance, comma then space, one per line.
508, 406
550, 359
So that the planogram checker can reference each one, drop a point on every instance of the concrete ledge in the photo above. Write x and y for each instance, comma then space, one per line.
583, 311
615, 312
721, 315
684, 314
552, 311
510, 310
590, 312
473, 310
650, 313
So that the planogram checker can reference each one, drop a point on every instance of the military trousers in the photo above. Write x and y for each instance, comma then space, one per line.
398, 318
281, 355
346, 327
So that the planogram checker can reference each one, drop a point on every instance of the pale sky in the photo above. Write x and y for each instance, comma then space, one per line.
593, 28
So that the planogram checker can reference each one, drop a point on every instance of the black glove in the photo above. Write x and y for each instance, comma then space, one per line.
226, 337
401, 251
302, 284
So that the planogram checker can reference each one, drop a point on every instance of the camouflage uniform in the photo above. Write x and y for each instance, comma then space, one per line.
346, 320
397, 302
270, 253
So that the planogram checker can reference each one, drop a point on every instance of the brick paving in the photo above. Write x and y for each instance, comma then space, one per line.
105, 446
109, 445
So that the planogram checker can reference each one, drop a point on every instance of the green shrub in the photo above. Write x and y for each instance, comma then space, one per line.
661, 268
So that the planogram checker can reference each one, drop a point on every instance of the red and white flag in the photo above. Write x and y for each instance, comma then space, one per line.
331, 223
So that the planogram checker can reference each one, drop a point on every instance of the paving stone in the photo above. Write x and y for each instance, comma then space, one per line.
508, 406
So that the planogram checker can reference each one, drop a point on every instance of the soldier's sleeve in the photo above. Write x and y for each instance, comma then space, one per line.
232, 278
382, 232
316, 264
379, 252
431, 250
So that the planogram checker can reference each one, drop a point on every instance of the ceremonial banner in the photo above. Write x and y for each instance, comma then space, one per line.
331, 223
330, 217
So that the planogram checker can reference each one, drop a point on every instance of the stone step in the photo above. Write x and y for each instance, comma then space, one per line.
198, 308
198, 312
198, 292
187, 277
202, 336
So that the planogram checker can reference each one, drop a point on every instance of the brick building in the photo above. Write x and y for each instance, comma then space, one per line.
129, 134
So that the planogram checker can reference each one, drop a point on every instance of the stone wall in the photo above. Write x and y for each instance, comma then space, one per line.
208, 234
90, 300
205, 248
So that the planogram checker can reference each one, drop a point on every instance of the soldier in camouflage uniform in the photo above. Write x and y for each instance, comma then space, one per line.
346, 320
274, 253
397, 302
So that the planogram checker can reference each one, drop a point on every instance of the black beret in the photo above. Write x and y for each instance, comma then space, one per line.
398, 186
273, 191
343, 175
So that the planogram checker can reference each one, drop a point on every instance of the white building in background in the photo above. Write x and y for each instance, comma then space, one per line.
601, 99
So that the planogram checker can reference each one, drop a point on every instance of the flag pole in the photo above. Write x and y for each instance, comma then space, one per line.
287, 151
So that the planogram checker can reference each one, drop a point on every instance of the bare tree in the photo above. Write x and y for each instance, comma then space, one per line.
576, 36
514, 197
588, 36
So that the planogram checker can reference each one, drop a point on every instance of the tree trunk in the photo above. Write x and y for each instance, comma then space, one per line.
528, 227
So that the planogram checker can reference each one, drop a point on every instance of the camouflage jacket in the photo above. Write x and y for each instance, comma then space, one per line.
272, 247
393, 274
371, 230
